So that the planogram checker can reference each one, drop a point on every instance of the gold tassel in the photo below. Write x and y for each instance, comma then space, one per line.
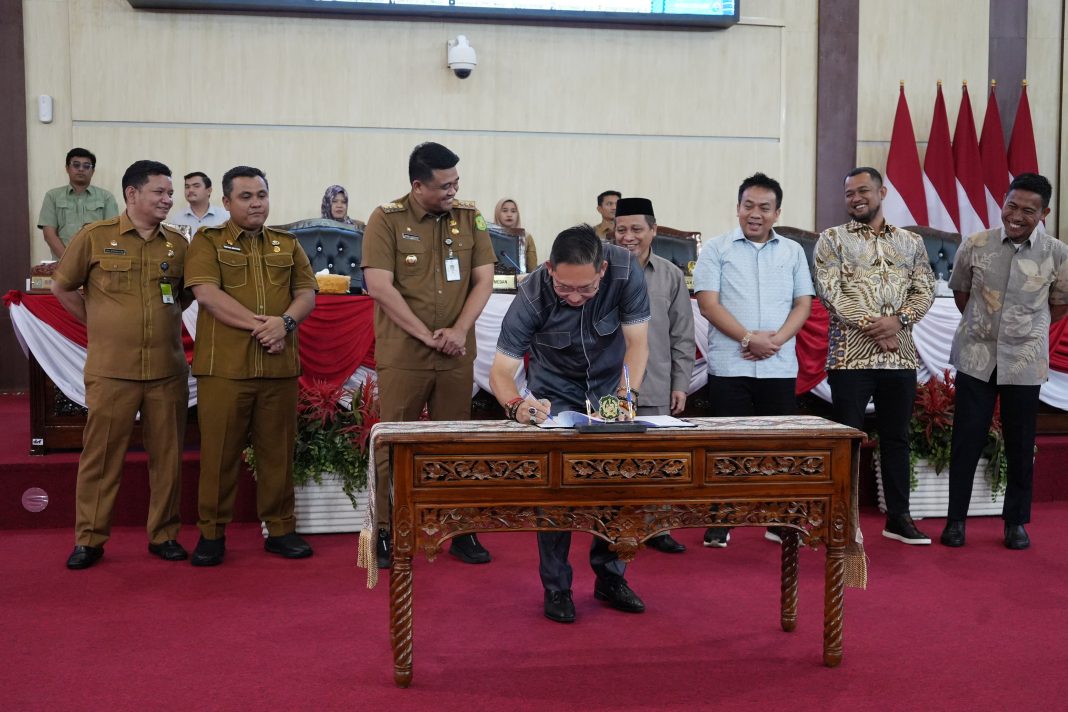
365, 556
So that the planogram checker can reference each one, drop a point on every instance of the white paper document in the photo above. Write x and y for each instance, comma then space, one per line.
571, 418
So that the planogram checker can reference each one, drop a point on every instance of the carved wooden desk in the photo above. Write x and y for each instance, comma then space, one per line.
454, 478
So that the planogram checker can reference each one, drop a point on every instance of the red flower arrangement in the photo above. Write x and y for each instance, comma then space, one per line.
333, 429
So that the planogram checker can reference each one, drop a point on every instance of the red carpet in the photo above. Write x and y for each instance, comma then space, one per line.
980, 628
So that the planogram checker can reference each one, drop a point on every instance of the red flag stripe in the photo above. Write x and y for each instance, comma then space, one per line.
905, 202
995, 163
938, 168
1023, 158
968, 166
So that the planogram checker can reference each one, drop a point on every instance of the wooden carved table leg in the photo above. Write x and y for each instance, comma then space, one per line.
400, 597
833, 599
788, 606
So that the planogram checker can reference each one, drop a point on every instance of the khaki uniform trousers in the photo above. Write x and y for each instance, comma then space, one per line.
234, 413
402, 393
113, 405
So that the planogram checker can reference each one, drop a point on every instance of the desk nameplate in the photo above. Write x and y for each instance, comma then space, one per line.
487, 469
808, 465
633, 468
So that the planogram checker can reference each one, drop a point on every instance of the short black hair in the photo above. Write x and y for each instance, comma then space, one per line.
139, 172
241, 172
427, 158
81, 153
578, 245
875, 175
198, 174
1033, 183
602, 196
759, 180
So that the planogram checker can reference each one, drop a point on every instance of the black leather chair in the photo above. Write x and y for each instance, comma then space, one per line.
506, 245
333, 246
680, 247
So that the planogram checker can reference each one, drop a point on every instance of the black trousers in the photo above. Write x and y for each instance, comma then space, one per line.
971, 422
742, 396
894, 391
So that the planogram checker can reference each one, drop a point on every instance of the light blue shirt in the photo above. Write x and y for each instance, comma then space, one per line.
758, 286
213, 218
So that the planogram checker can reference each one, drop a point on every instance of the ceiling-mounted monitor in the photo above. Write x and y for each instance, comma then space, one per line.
636, 13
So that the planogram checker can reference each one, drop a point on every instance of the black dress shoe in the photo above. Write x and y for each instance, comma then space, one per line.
209, 552
666, 544
384, 549
169, 550
84, 556
953, 534
467, 549
291, 546
1015, 537
559, 607
618, 594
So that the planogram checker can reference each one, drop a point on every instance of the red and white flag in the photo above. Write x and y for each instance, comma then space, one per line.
905, 202
995, 164
968, 166
1023, 158
940, 184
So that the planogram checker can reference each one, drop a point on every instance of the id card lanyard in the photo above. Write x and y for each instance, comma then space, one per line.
452, 263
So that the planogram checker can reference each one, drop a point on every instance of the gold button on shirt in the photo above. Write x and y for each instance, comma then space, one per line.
132, 333
246, 267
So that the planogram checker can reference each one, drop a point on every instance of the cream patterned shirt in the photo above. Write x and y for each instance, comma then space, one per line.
861, 275
1006, 322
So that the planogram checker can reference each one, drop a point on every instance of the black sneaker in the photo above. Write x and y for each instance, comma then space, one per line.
717, 537
467, 549
904, 530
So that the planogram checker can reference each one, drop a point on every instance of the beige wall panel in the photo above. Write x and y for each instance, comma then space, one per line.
920, 42
47, 72
1045, 86
539, 119
298, 71
701, 196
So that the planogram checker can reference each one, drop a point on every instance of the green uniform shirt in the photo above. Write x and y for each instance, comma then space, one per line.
68, 211
260, 270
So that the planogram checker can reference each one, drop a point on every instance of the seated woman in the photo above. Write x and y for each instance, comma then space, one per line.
506, 214
336, 205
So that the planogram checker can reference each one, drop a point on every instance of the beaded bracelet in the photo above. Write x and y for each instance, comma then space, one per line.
512, 407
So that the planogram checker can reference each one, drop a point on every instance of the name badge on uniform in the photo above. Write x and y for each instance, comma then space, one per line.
452, 269
410, 236
232, 248
167, 292
113, 251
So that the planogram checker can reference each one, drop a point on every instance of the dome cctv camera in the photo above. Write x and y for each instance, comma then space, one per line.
461, 57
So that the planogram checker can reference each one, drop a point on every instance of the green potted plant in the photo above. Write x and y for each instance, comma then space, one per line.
930, 439
331, 449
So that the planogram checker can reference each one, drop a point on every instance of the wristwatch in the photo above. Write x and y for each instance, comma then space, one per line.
746, 339
904, 319
289, 322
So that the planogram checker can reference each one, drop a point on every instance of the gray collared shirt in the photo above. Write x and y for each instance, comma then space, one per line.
1005, 324
671, 342
213, 217
576, 353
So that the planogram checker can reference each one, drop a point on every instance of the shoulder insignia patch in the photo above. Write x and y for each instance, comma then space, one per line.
392, 207
464, 204
480, 222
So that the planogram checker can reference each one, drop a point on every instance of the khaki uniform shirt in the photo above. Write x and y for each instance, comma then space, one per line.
604, 230
404, 239
671, 339
132, 333
68, 211
261, 271
1006, 323
861, 275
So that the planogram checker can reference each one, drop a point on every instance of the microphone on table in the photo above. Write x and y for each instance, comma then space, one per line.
504, 256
